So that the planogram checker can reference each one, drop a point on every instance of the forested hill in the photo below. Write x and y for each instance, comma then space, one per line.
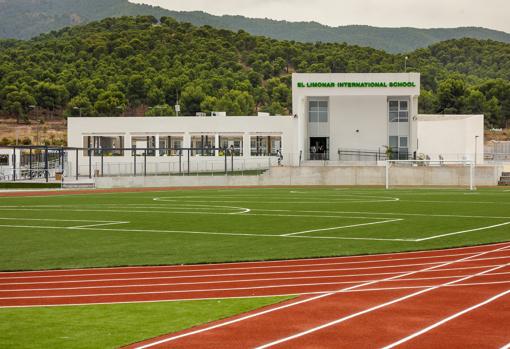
23, 19
127, 64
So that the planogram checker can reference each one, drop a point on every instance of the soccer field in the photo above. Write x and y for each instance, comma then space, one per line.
219, 225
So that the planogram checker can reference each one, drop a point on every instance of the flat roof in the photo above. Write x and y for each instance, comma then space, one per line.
443, 117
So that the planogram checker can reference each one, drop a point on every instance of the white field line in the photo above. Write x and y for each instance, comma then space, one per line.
240, 281
298, 212
463, 231
222, 275
266, 235
58, 220
380, 289
508, 345
377, 307
147, 209
285, 261
343, 227
439, 323
320, 296
206, 233
97, 225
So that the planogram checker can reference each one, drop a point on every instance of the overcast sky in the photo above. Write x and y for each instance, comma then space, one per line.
494, 14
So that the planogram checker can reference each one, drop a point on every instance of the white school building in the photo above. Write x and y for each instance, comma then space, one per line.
335, 118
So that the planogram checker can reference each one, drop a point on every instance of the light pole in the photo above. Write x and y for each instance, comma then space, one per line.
476, 148
405, 63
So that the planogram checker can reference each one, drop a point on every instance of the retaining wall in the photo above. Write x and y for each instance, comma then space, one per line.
345, 175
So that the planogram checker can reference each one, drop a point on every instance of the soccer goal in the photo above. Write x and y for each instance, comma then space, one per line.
430, 173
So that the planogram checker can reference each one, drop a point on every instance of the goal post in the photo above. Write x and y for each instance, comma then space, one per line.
430, 173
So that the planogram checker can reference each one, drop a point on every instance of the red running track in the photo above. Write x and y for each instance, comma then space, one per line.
453, 298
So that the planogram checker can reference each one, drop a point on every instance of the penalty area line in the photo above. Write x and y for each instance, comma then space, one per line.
343, 227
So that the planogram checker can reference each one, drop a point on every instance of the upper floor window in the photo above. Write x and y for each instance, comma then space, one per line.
399, 111
318, 111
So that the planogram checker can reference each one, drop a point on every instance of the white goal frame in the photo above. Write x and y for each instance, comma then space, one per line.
471, 165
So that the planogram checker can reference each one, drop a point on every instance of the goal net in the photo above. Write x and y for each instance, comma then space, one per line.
430, 173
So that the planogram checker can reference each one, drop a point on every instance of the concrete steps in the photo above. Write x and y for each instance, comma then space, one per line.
505, 179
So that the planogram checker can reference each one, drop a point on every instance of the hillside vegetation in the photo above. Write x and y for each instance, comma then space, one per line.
124, 65
23, 19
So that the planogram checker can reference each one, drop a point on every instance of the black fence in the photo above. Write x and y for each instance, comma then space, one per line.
368, 155
45, 162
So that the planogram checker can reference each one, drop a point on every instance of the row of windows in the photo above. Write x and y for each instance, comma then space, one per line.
202, 145
318, 111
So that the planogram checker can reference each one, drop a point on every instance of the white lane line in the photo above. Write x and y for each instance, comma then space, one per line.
379, 289
239, 281
439, 323
343, 227
217, 274
232, 266
508, 345
256, 314
377, 307
463, 231
390, 266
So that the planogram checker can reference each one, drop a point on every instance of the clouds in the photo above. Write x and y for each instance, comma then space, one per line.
493, 14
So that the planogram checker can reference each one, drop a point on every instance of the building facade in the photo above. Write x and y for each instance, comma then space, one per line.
332, 114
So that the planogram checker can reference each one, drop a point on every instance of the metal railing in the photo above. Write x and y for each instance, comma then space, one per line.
29, 162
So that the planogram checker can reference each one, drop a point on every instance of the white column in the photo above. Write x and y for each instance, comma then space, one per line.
186, 141
216, 143
157, 144
246, 145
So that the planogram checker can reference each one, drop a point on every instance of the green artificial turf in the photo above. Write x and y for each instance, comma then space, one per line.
204, 226
25, 185
112, 326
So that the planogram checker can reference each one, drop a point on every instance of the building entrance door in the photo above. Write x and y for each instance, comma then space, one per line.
319, 148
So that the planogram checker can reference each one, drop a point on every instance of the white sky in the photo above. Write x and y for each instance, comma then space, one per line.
494, 14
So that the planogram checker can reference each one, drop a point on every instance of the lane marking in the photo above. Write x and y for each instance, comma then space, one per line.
256, 314
439, 323
240, 281
508, 345
261, 296
214, 275
343, 227
377, 307
390, 266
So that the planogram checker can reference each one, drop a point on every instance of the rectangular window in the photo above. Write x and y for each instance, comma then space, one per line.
403, 142
318, 111
4, 160
393, 142
203, 145
233, 144
170, 145
145, 145
103, 145
398, 110
265, 145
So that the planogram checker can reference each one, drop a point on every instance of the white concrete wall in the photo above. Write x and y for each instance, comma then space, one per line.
453, 137
351, 113
348, 176
354, 108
